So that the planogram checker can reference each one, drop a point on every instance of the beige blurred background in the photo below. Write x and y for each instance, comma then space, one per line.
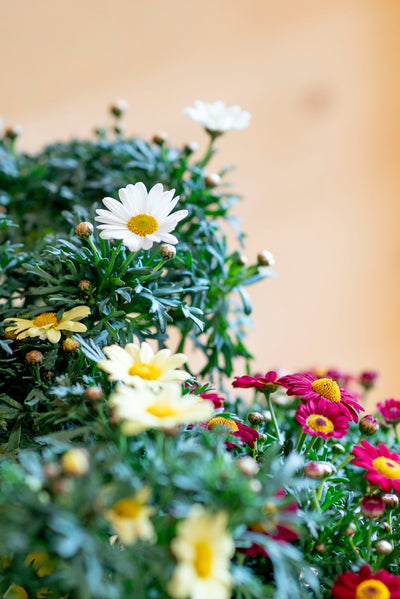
318, 167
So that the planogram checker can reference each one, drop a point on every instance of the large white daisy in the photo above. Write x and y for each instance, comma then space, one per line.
217, 117
141, 218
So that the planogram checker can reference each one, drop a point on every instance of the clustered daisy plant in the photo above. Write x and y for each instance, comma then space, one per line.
127, 469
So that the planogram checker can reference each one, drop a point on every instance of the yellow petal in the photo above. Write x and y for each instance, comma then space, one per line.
76, 313
70, 325
53, 335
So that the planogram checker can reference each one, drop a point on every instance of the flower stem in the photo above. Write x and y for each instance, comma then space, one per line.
273, 416
209, 152
344, 462
96, 254
156, 268
127, 261
300, 442
110, 266
311, 445
316, 500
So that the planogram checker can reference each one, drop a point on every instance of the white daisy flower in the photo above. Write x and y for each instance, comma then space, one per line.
218, 118
141, 218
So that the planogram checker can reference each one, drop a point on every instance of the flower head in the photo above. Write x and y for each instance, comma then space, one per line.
307, 386
141, 409
216, 399
141, 218
267, 382
203, 549
130, 517
321, 417
390, 410
245, 433
382, 465
48, 325
218, 118
366, 585
134, 364
368, 379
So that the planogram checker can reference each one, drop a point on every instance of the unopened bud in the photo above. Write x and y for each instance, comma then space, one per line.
212, 180
265, 258
368, 379
84, 284
317, 470
34, 357
70, 345
160, 138
386, 526
384, 547
84, 230
368, 425
320, 548
191, 147
13, 132
167, 251
119, 129
255, 418
255, 485
119, 107
338, 448
75, 462
242, 260
372, 506
248, 465
94, 394
49, 374
350, 530
391, 500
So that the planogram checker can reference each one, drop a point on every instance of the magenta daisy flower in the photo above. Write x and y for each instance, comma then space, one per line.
267, 382
307, 387
323, 418
364, 584
245, 433
383, 465
390, 410
216, 399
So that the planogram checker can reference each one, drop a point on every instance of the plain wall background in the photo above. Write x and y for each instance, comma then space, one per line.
318, 167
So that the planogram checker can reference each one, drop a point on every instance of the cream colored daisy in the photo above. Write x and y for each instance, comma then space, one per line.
140, 408
47, 324
130, 518
203, 549
135, 362
218, 118
141, 218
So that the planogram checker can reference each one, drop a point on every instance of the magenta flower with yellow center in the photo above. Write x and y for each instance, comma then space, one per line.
382, 465
47, 325
390, 410
307, 386
321, 417
366, 585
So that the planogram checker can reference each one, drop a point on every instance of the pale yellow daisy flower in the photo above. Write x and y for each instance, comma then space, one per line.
47, 324
130, 517
141, 409
203, 549
135, 362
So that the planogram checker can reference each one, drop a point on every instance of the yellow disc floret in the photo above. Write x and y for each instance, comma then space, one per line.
203, 559
327, 388
161, 409
372, 589
127, 508
219, 421
145, 371
142, 224
387, 467
319, 424
45, 319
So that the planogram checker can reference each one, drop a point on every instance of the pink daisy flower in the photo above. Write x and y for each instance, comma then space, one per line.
268, 382
245, 433
377, 585
323, 418
307, 387
383, 465
390, 410
216, 399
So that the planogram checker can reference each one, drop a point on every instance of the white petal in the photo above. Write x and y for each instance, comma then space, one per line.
112, 234
108, 217
116, 208
156, 192
146, 353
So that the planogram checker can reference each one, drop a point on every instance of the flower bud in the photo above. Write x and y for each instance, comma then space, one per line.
160, 138
386, 526
255, 485
368, 425
212, 180
350, 530
84, 284
338, 448
94, 394
248, 465
320, 548
75, 462
13, 132
391, 500
384, 547
49, 374
84, 230
265, 258
191, 147
167, 251
368, 379
70, 345
34, 357
119, 107
242, 260
119, 129
317, 470
372, 506
255, 418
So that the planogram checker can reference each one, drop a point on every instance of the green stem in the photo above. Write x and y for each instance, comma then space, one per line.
96, 254
316, 500
369, 543
344, 462
300, 442
208, 153
320, 488
273, 416
110, 266
127, 261
155, 269
311, 444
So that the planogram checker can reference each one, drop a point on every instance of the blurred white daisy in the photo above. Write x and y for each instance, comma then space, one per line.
141, 218
130, 517
218, 118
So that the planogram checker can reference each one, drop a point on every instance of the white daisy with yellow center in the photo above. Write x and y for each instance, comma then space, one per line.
203, 549
48, 325
130, 518
217, 117
141, 218
134, 362
140, 409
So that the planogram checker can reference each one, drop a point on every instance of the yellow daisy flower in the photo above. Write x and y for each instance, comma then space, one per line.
135, 362
130, 517
47, 324
203, 548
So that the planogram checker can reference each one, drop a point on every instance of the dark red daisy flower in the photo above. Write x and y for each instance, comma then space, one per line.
267, 382
390, 410
366, 585
245, 433
307, 387
383, 466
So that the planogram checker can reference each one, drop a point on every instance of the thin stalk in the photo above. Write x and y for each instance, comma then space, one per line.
96, 254
156, 268
110, 266
127, 261
316, 500
300, 442
344, 462
273, 416
208, 153
311, 444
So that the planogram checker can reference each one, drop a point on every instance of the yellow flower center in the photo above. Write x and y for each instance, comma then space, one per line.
372, 589
145, 371
319, 424
387, 467
327, 388
142, 224
203, 559
127, 508
161, 409
219, 421
45, 318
